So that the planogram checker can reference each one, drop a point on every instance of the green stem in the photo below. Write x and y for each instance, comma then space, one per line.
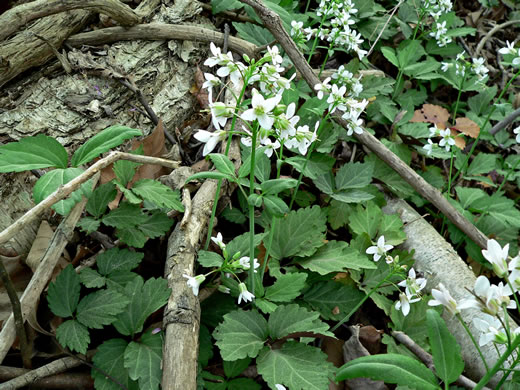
449, 190
252, 213
454, 114
498, 364
493, 108
506, 374
315, 42
324, 61
347, 317
473, 341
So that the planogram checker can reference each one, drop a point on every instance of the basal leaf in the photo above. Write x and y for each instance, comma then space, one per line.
36, 152
110, 359
325, 183
296, 366
445, 349
236, 367
265, 306
286, 288
205, 346
352, 196
234, 215
209, 259
338, 214
156, 225
332, 299
116, 259
98, 202
88, 224
300, 233
143, 361
130, 197
158, 194
145, 298
132, 237
241, 244
241, 334
275, 206
366, 219
317, 165
218, 6
102, 142
63, 296
100, 308
71, 334
354, 175
125, 170
91, 279
289, 319
125, 216
390, 368
335, 256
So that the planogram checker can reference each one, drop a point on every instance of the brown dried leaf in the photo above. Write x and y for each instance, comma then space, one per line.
153, 146
430, 113
333, 348
460, 142
467, 126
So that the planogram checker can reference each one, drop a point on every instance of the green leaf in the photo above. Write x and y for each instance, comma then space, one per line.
468, 196
145, 298
218, 6
445, 349
255, 34
52, 180
89, 224
352, 196
241, 244
116, 259
132, 237
243, 384
366, 219
241, 334
103, 141
409, 52
158, 194
300, 233
480, 103
289, 319
100, 308
325, 183
222, 163
71, 334
209, 259
338, 214
91, 279
36, 152
275, 206
389, 54
234, 215
98, 202
125, 216
110, 359
63, 296
482, 163
286, 288
205, 346
354, 175
125, 170
143, 361
295, 365
119, 280
390, 368
414, 324
275, 186
331, 297
235, 368
156, 225
265, 306
210, 175
129, 195
317, 165
335, 256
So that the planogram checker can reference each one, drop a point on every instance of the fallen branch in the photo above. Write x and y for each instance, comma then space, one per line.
273, 23
15, 18
74, 184
161, 31
66, 381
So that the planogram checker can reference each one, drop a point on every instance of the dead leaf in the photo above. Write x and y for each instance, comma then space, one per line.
333, 348
153, 146
39, 246
430, 113
467, 126
370, 337
460, 142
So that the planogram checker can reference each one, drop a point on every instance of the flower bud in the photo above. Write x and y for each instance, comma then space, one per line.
280, 109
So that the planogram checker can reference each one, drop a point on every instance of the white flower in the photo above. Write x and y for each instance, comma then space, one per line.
261, 109
517, 132
245, 295
245, 262
194, 282
413, 285
322, 87
497, 256
211, 81
219, 113
491, 329
218, 240
380, 249
276, 58
404, 301
233, 70
447, 139
489, 298
443, 297
296, 27
479, 68
270, 146
210, 139
445, 66
429, 147
509, 49
212, 61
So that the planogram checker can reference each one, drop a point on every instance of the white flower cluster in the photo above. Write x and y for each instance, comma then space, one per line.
278, 124
343, 98
338, 31
436, 8
447, 140
510, 49
440, 33
476, 66
490, 299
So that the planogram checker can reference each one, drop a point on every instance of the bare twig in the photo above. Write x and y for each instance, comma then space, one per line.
230, 15
161, 31
67, 381
73, 185
384, 27
427, 359
491, 33
273, 23
15, 18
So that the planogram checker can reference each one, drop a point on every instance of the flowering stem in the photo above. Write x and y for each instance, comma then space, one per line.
252, 213
347, 317
506, 373
315, 43
325, 61
454, 114
449, 189
307, 157
498, 364
473, 341
493, 108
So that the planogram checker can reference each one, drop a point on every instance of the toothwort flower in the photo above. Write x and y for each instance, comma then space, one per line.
194, 282
245, 262
380, 249
443, 297
497, 256
210, 139
245, 295
261, 109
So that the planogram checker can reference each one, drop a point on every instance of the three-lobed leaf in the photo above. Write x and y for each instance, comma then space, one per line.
143, 361
286, 288
100, 308
36, 152
74, 335
103, 141
116, 259
100, 198
158, 194
63, 296
289, 319
110, 359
